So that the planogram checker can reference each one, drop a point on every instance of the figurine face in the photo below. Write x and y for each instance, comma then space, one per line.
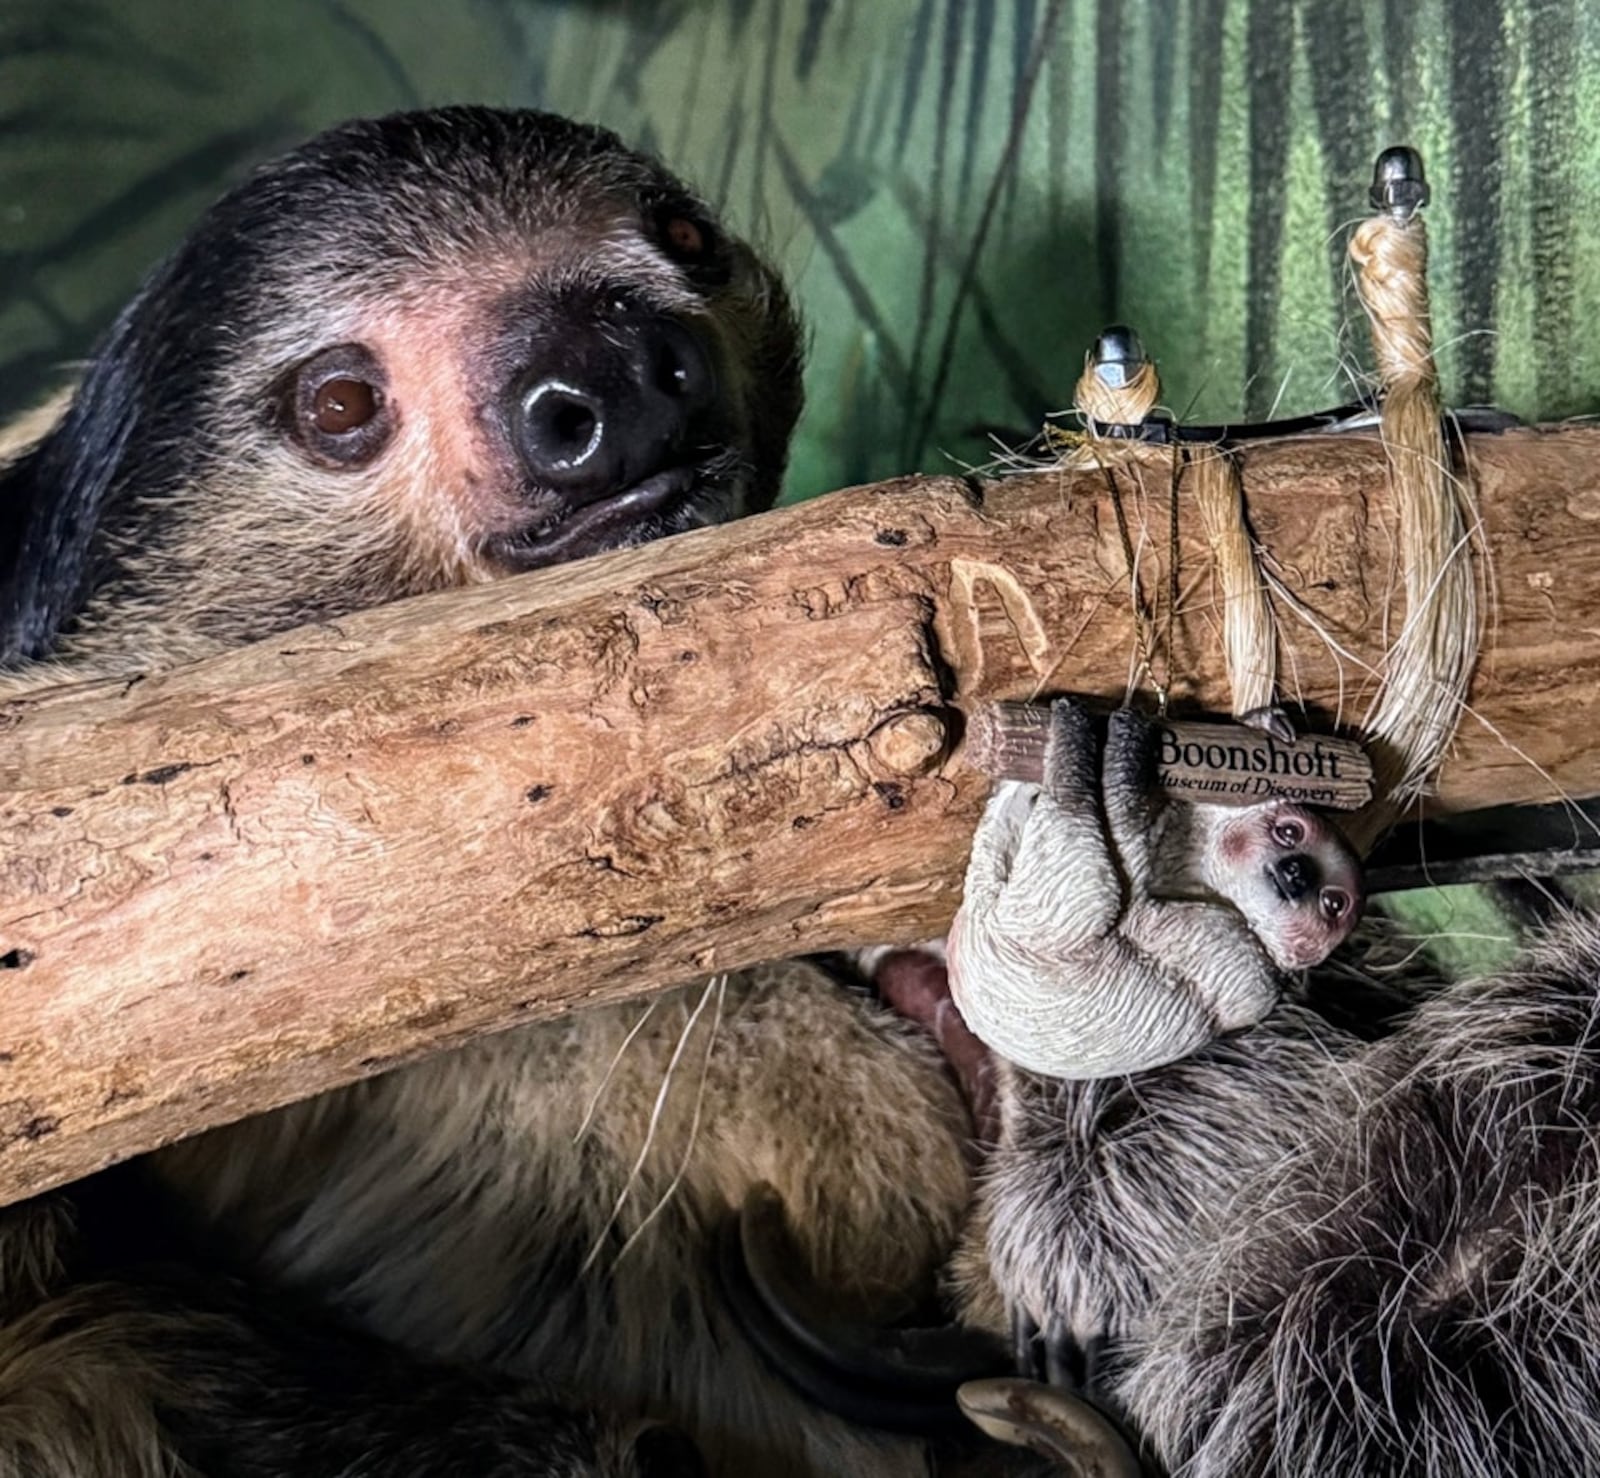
1293, 877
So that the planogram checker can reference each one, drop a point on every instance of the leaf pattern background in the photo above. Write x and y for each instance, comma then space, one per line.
964, 191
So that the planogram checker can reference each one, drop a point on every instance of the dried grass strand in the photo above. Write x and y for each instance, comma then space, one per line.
1249, 628
1429, 664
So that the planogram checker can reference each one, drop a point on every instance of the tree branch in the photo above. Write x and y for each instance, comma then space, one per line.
250, 880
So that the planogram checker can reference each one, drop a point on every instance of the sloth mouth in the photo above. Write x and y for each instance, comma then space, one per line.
637, 514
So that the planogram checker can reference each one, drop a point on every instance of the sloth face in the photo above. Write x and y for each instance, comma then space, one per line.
1292, 876
417, 352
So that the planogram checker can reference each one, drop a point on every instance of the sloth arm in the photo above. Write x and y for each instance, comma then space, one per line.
1059, 887
1041, 889
1112, 1007
1211, 957
1127, 792
1202, 952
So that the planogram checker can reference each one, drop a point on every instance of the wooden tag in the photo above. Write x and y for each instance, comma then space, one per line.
1217, 764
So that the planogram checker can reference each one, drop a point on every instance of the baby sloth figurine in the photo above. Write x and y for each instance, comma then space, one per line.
1105, 930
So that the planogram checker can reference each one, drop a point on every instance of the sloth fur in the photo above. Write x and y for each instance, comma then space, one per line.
496, 1262
1299, 1252
1304, 1252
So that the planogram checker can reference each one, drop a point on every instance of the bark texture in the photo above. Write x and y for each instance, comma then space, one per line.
230, 886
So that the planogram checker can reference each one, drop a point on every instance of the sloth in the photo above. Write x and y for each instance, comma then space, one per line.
415, 354
422, 352
1102, 932
1414, 1286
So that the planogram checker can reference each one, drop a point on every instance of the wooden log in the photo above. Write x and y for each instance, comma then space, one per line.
240, 883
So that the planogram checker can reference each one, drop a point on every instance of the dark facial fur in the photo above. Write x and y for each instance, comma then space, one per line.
444, 268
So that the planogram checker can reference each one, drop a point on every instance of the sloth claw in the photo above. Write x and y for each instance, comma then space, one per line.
1053, 1356
1025, 1344
1065, 1361
1071, 762
921, 1381
1130, 756
1054, 1423
899, 1380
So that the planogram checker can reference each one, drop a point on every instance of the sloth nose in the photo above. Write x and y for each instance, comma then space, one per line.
1295, 876
616, 399
661, 1451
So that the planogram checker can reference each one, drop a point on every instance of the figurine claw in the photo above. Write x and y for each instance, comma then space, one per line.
1272, 720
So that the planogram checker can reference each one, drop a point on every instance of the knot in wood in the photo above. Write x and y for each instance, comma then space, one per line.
909, 743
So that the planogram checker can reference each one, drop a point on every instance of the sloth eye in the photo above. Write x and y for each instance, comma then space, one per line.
691, 241
686, 237
341, 404
335, 409
1288, 833
1335, 904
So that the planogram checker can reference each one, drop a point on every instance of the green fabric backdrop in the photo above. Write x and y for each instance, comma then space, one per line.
963, 190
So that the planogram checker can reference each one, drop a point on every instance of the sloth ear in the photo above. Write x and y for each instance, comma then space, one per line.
52, 499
